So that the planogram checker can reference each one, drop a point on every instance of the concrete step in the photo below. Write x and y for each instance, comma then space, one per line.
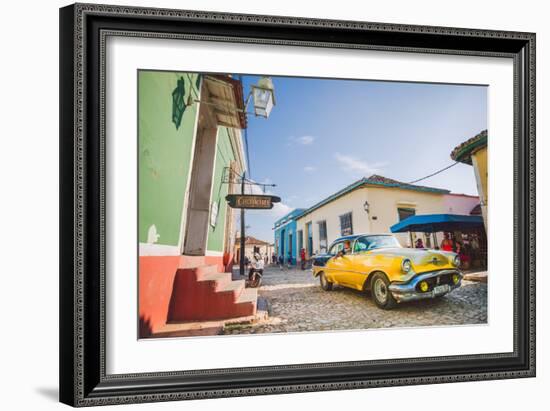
191, 261
247, 302
220, 279
202, 293
212, 327
178, 330
248, 295
204, 271
235, 286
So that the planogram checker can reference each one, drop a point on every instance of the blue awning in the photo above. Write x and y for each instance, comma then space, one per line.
429, 223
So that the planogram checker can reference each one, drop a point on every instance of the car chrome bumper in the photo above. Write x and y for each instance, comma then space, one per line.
404, 292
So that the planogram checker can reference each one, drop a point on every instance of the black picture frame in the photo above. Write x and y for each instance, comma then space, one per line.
83, 30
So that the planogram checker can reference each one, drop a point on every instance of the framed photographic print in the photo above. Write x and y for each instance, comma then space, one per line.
261, 204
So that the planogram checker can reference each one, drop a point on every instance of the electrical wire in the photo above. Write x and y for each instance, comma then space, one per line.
433, 174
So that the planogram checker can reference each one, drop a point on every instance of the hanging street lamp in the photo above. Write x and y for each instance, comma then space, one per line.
263, 94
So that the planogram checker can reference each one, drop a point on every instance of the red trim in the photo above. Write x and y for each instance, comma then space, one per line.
157, 276
156, 280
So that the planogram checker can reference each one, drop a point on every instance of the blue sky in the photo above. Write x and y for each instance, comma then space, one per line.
323, 134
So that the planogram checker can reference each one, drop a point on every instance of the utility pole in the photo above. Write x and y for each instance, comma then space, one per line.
241, 259
244, 182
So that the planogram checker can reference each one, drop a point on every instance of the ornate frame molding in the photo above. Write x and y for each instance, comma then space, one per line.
82, 313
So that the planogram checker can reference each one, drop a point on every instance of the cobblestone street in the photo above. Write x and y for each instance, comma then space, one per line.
296, 302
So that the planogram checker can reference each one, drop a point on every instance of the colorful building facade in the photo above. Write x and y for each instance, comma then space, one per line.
474, 152
190, 150
372, 205
286, 237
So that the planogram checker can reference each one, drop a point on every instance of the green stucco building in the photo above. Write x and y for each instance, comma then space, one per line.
190, 156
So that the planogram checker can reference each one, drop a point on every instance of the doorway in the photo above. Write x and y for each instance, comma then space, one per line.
282, 247
202, 171
309, 235
290, 248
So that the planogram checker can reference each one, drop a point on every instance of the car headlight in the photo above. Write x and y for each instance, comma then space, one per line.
406, 265
424, 286
456, 261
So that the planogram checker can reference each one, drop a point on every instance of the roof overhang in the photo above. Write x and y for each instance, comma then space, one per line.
463, 152
225, 97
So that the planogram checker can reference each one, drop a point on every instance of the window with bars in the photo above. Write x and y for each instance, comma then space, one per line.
405, 213
346, 224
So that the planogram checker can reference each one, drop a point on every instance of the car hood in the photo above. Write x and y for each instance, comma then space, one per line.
416, 255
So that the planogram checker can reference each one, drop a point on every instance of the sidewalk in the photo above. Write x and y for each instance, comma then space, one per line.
478, 276
297, 303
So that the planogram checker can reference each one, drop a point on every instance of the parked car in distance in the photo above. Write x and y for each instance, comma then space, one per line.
393, 274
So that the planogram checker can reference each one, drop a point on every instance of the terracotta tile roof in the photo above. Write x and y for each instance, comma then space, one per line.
376, 179
463, 152
249, 240
373, 180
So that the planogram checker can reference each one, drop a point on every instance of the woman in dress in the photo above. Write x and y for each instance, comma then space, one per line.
447, 243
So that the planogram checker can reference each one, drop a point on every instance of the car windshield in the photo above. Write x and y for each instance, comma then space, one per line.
372, 242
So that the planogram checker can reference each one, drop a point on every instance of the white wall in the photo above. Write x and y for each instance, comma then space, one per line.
383, 205
331, 212
29, 206
460, 204
385, 202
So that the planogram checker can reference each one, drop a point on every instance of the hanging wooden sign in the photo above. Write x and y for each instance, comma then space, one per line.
250, 201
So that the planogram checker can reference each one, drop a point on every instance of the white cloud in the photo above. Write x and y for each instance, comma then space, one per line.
356, 166
309, 169
279, 209
306, 140
303, 140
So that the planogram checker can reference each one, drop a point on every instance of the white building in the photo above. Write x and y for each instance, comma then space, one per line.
252, 245
373, 205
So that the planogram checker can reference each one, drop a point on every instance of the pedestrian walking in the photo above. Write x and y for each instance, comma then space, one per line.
303, 258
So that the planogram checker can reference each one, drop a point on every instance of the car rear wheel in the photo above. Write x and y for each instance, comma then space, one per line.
325, 284
381, 293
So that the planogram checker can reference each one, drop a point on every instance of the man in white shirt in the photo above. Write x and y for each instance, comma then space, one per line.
257, 264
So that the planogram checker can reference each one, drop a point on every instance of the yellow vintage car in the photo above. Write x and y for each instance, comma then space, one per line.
393, 274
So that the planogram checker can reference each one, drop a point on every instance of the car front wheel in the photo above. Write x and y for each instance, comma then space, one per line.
325, 284
381, 293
